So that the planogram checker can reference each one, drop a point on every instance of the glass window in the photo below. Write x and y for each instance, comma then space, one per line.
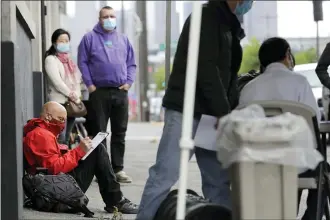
311, 77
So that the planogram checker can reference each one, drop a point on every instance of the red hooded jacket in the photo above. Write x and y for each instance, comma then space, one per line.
41, 149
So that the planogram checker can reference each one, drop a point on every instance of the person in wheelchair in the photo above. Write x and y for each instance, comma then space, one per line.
41, 149
279, 82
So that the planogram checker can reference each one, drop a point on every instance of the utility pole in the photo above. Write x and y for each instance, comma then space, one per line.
123, 17
317, 40
318, 16
168, 41
141, 9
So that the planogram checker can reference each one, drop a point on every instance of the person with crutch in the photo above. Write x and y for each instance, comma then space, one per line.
220, 56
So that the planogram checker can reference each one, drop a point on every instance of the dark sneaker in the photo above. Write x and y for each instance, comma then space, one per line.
125, 207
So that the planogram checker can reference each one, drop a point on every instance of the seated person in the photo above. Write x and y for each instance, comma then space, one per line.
279, 82
41, 149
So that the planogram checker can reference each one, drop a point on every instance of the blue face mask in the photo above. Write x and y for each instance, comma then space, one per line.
63, 47
109, 24
243, 7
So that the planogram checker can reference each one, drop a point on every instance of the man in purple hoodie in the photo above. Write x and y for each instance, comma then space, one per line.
106, 61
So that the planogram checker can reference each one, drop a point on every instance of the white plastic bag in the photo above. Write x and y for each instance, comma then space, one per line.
248, 135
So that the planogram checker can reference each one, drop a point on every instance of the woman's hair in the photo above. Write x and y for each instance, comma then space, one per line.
55, 35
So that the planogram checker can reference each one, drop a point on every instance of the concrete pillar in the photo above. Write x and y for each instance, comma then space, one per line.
21, 31
36, 42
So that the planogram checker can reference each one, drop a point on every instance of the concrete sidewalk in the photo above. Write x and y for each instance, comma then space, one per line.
140, 155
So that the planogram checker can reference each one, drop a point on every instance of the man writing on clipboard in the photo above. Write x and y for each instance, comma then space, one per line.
41, 149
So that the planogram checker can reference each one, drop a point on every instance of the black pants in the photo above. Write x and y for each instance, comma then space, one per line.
112, 103
98, 164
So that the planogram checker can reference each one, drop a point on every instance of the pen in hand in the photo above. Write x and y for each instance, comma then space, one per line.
80, 137
85, 143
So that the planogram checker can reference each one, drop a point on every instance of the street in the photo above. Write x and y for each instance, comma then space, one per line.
142, 143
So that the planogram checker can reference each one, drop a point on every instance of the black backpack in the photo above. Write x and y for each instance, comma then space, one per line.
197, 208
54, 193
245, 78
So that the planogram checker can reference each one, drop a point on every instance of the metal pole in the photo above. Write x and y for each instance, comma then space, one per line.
43, 14
123, 17
0, 108
186, 142
317, 40
141, 8
137, 24
168, 41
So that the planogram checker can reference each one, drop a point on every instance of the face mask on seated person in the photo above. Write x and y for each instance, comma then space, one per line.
55, 126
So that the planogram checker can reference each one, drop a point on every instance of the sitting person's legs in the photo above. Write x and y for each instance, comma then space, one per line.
98, 164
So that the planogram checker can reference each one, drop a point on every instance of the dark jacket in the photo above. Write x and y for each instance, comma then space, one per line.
220, 56
322, 67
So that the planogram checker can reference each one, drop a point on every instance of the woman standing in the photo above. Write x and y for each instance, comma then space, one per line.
64, 77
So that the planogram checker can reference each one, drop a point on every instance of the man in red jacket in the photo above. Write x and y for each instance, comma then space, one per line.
41, 149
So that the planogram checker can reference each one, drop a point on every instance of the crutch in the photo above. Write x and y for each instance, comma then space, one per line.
186, 142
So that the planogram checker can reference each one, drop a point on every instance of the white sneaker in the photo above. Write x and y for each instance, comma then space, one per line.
122, 177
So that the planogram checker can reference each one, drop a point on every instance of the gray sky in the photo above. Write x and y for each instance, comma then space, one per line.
295, 18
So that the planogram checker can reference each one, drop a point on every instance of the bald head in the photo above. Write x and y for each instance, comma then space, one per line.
53, 111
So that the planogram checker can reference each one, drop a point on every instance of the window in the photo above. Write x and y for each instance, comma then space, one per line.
311, 77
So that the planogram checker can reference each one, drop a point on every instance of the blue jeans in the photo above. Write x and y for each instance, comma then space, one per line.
165, 173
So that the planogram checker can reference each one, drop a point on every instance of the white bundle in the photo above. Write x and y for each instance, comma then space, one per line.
248, 135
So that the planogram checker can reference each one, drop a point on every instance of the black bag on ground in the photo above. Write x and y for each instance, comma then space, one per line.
55, 193
197, 208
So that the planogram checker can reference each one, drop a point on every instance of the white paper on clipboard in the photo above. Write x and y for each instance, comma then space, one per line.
96, 141
206, 134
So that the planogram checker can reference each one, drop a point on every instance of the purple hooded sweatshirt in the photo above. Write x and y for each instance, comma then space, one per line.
106, 59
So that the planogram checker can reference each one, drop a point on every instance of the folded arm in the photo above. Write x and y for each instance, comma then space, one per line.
54, 76
83, 61
131, 65
208, 73
322, 67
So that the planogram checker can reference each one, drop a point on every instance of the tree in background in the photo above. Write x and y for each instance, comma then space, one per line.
250, 56
306, 56
251, 61
159, 77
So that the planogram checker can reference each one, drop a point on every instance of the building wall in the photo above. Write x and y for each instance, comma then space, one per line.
187, 9
20, 27
80, 24
160, 22
261, 21
305, 43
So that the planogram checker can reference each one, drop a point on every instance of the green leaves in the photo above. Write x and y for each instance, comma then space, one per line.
250, 56
306, 56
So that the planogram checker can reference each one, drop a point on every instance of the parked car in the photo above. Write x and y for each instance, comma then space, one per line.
308, 70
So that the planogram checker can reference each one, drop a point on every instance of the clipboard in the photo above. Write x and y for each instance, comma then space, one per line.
96, 141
